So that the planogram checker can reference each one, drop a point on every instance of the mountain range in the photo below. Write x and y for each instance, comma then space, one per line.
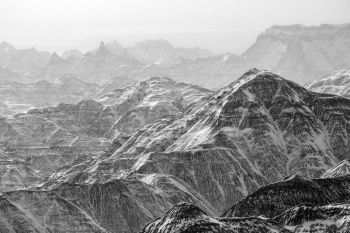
155, 138
16, 97
293, 205
299, 53
263, 153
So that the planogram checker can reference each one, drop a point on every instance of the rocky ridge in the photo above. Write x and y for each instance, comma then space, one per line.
46, 138
185, 217
19, 97
212, 149
337, 83
342, 169
273, 199
26, 61
293, 205
299, 53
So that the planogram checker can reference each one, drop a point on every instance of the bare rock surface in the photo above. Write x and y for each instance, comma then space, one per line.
128, 156
185, 217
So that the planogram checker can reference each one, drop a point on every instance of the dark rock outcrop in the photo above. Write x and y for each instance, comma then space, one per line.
185, 217
274, 199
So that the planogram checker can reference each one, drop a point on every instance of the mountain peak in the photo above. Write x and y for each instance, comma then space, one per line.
253, 72
256, 74
102, 49
183, 209
55, 58
115, 47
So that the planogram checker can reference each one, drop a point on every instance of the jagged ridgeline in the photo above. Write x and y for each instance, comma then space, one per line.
131, 154
294, 205
296, 52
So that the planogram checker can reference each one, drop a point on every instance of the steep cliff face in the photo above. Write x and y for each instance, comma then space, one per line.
301, 53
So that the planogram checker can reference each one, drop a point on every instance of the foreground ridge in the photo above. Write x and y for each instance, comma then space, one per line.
185, 217
273, 199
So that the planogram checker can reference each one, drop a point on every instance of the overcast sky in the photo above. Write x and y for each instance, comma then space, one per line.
219, 25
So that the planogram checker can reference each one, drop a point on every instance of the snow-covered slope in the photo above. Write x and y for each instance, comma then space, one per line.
341, 169
337, 83
173, 142
185, 217
49, 137
257, 130
323, 219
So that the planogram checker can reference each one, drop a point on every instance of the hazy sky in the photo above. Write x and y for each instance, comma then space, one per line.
219, 25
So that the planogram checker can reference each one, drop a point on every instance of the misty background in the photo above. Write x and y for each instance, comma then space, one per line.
221, 26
